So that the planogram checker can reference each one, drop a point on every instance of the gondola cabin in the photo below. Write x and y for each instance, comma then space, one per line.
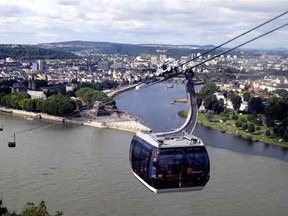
12, 143
171, 165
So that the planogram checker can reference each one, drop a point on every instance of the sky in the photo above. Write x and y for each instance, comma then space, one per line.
177, 22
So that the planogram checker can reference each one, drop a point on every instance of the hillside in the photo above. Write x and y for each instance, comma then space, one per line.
32, 52
124, 49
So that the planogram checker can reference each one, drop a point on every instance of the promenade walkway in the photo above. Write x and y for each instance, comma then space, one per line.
120, 121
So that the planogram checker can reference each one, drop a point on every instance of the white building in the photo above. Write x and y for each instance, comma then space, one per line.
36, 94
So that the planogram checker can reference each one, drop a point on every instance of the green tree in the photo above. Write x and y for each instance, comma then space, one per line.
251, 117
275, 130
211, 103
23, 104
234, 116
281, 131
31, 105
40, 104
51, 107
238, 124
246, 96
255, 105
208, 89
199, 102
31, 209
251, 128
231, 94
268, 133
3, 210
89, 95
221, 105
244, 126
285, 136
236, 101
66, 108
276, 109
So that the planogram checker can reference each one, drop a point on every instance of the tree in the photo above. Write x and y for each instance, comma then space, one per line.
50, 107
230, 94
275, 130
234, 116
244, 126
66, 108
238, 124
236, 101
268, 133
12, 100
246, 96
30, 209
199, 102
251, 117
255, 105
283, 94
59, 105
285, 136
281, 131
89, 95
251, 128
221, 106
3, 210
208, 89
211, 103
31, 105
276, 109
40, 103
285, 122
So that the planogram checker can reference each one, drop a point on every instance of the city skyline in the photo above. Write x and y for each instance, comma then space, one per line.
141, 22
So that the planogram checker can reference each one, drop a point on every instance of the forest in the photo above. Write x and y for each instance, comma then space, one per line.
28, 52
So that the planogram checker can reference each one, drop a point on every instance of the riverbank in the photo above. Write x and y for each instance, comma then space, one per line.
120, 121
113, 93
230, 128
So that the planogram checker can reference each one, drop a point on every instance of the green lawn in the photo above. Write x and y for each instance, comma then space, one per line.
218, 122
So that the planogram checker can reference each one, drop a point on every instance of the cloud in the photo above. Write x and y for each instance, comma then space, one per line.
69, 2
137, 21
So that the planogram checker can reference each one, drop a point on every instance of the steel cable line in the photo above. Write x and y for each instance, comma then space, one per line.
240, 45
229, 50
238, 36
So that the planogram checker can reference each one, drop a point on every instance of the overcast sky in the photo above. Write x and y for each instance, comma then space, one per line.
140, 21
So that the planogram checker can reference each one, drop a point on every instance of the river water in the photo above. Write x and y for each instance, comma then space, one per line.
85, 171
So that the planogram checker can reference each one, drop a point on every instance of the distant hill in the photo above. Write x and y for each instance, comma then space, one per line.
32, 52
124, 49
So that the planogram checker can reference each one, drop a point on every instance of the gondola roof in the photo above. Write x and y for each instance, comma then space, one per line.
177, 141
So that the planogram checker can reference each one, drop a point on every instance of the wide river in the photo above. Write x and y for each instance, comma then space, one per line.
85, 171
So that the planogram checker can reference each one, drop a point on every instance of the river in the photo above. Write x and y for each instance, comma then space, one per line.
85, 171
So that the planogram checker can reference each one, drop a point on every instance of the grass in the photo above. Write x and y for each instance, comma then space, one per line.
179, 100
218, 122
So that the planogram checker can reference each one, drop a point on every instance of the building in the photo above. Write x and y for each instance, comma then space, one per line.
34, 66
36, 94
70, 87
41, 65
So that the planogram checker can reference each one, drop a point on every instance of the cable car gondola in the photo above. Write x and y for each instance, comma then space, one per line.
12, 143
172, 161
